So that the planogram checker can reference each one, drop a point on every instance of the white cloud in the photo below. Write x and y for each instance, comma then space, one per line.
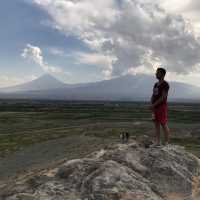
8, 80
132, 34
34, 53
96, 59
140, 70
56, 51
189, 9
174, 5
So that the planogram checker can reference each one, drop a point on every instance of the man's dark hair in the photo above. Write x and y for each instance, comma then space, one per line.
162, 70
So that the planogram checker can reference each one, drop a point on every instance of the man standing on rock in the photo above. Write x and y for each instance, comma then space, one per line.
159, 106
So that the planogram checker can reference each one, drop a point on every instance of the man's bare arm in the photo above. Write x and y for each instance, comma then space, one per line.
161, 99
152, 99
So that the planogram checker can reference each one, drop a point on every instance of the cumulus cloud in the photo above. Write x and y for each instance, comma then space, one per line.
34, 53
191, 5
96, 59
56, 51
8, 80
189, 9
131, 34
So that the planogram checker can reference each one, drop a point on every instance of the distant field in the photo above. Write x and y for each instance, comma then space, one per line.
23, 123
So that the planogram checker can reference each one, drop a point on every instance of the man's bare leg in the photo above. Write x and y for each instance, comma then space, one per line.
157, 133
166, 133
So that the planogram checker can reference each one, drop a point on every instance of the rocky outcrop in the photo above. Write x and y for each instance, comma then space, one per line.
123, 172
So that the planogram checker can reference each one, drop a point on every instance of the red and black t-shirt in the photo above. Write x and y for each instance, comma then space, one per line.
158, 90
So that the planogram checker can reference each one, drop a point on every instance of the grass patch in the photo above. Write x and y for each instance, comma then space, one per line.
24, 123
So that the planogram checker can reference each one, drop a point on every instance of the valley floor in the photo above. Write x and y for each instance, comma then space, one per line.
35, 135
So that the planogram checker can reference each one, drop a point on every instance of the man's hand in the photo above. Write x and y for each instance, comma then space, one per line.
152, 107
160, 100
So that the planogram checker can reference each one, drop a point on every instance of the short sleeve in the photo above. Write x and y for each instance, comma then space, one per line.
166, 87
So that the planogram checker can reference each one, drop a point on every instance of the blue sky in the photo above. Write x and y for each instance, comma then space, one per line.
95, 40
26, 25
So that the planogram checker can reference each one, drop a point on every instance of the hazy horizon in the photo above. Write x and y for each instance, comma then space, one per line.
96, 81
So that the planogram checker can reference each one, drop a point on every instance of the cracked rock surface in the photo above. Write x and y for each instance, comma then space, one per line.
121, 172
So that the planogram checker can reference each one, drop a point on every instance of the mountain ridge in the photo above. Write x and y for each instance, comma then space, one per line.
127, 87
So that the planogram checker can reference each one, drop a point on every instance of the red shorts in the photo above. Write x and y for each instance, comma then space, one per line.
161, 114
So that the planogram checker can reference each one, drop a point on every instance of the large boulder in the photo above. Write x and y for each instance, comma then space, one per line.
122, 172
